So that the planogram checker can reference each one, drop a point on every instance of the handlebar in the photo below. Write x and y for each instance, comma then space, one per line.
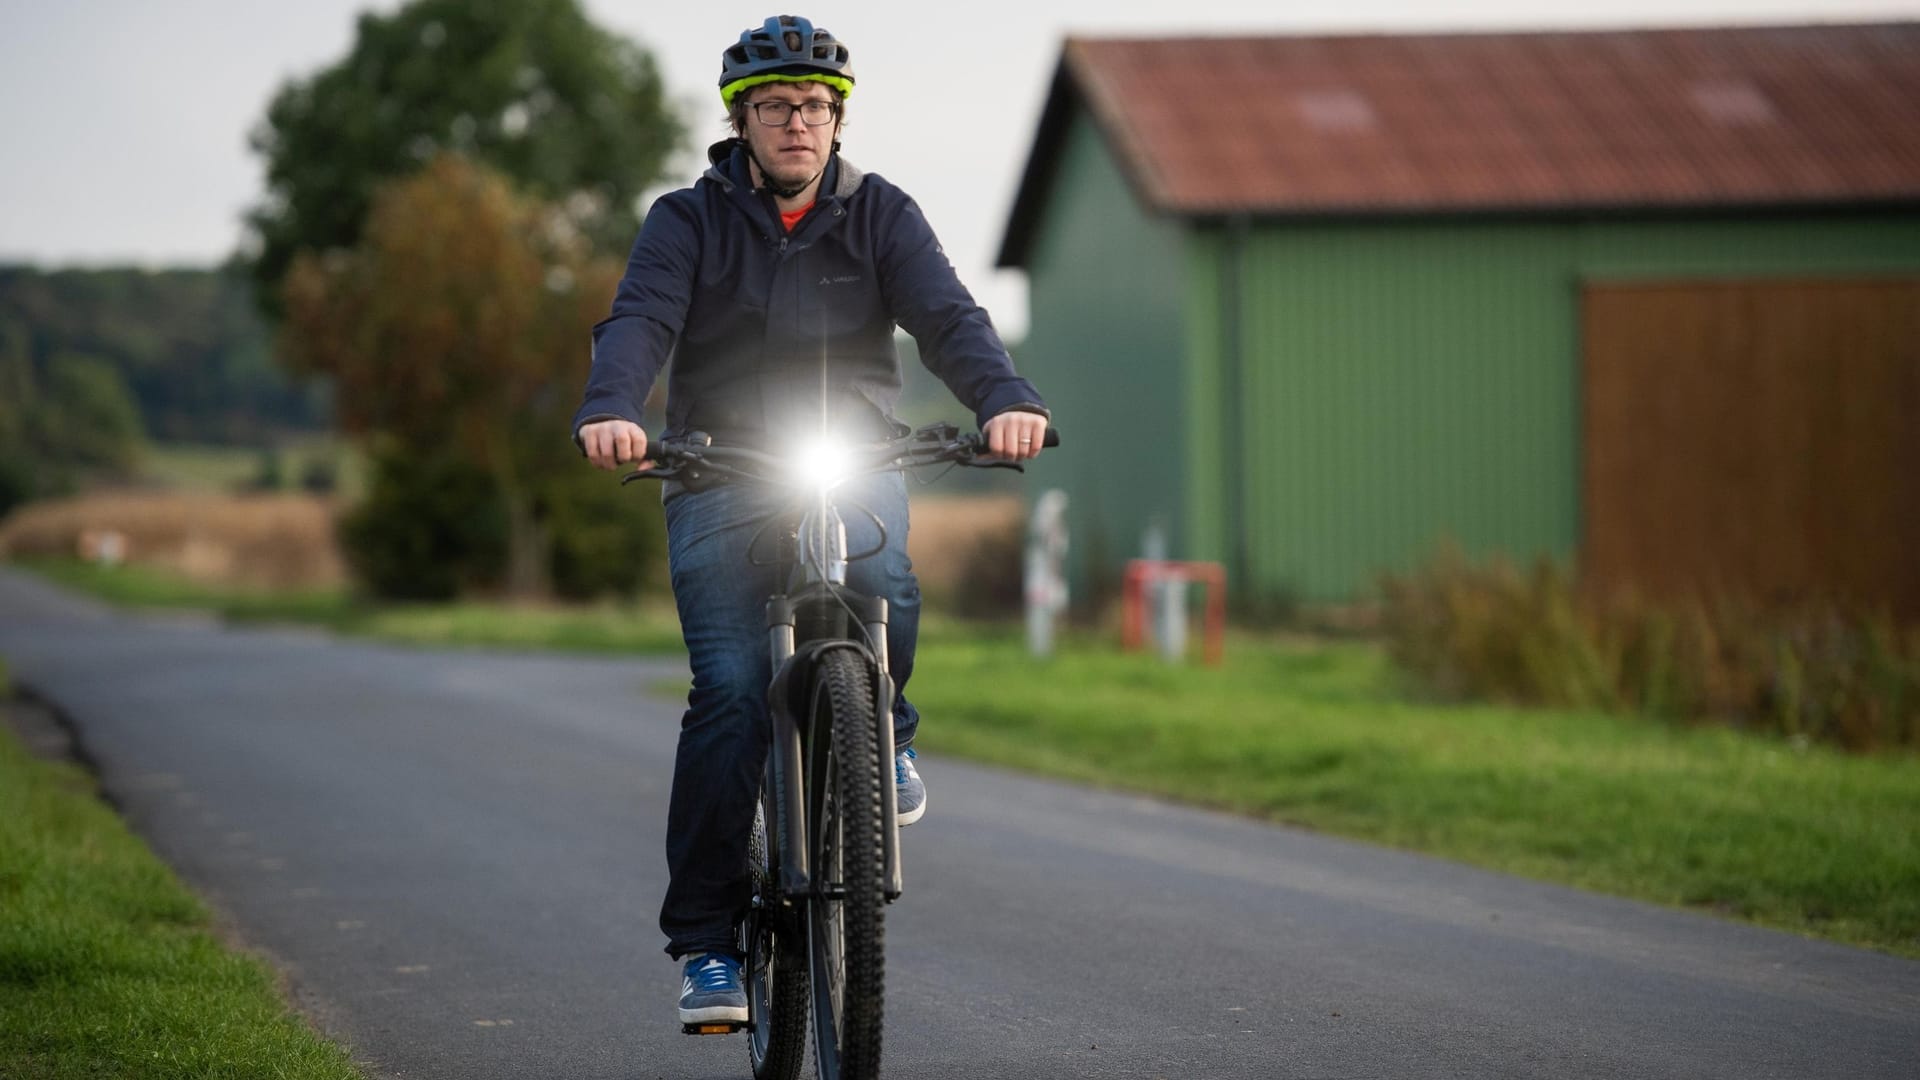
934, 444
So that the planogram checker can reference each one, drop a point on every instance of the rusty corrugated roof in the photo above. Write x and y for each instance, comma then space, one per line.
1502, 123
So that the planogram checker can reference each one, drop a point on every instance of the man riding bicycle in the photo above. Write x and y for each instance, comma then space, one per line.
775, 284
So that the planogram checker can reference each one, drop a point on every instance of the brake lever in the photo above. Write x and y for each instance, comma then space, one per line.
656, 473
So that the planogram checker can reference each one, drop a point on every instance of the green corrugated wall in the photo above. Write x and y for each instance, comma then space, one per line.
1396, 385
1107, 284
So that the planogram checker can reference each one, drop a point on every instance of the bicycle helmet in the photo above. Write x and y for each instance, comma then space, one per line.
786, 48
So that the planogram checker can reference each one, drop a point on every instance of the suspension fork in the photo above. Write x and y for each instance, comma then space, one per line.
789, 778
789, 757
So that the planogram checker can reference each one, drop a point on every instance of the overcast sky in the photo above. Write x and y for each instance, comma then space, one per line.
123, 124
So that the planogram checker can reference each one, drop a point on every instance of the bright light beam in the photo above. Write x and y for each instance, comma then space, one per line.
821, 464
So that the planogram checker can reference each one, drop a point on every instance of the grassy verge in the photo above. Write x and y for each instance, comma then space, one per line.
107, 964
1800, 838
1324, 735
644, 629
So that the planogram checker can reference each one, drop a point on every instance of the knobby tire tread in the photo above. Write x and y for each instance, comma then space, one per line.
845, 686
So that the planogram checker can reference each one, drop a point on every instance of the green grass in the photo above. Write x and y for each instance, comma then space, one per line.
108, 967
1800, 838
613, 628
196, 467
142, 587
202, 467
1324, 735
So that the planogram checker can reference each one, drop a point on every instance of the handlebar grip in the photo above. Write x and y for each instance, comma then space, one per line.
1047, 441
979, 439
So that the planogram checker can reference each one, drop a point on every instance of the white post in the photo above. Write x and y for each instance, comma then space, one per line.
1166, 598
1046, 570
1170, 611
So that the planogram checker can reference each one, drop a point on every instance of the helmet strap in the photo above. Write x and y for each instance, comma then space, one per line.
766, 178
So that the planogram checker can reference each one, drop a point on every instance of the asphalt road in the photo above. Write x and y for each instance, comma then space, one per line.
456, 857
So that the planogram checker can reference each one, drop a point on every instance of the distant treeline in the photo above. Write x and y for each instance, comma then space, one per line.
189, 345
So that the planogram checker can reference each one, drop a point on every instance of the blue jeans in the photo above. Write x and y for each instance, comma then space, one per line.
722, 754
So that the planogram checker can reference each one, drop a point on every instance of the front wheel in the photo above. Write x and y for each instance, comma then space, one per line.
776, 965
844, 931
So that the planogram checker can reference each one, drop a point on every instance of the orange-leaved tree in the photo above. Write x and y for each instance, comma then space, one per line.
458, 324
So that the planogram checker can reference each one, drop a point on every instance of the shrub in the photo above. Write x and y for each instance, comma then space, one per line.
608, 538
269, 473
1804, 670
434, 527
430, 527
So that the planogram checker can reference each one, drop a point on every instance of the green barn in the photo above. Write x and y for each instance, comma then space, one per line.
1644, 300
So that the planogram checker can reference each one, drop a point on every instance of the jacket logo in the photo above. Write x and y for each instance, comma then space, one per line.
844, 279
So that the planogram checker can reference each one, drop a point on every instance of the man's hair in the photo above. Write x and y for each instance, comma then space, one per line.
737, 113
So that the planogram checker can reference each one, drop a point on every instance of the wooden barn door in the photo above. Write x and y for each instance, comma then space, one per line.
1761, 436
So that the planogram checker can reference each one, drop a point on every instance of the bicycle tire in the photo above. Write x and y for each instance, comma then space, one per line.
845, 934
776, 967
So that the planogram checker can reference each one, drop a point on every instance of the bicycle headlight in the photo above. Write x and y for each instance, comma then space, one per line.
821, 464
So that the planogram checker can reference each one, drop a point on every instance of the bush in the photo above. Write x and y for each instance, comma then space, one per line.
608, 538
431, 527
60, 426
16, 481
269, 472
1804, 670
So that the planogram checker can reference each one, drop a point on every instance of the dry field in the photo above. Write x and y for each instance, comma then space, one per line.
946, 529
275, 541
254, 541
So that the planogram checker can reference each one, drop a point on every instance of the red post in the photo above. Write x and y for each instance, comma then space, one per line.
1133, 599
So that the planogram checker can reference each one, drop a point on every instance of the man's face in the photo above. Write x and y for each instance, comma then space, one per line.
792, 153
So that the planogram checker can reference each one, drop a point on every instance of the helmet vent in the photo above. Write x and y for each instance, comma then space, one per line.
785, 47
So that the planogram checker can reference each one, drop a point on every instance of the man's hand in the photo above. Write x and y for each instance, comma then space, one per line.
612, 443
1015, 435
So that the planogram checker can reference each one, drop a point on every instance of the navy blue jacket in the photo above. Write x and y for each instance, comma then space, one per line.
770, 332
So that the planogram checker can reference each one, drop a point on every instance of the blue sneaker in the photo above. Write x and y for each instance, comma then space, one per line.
711, 991
912, 792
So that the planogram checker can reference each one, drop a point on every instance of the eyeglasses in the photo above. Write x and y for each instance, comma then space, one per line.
778, 113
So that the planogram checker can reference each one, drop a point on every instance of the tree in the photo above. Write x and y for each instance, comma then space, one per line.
189, 344
572, 113
458, 324
78, 417
86, 416
16, 405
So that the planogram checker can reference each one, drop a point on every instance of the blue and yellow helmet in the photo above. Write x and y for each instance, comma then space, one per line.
786, 48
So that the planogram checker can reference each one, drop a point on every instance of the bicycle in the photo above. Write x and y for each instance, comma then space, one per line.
825, 853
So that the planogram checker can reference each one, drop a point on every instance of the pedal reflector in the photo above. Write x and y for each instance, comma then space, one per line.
724, 1027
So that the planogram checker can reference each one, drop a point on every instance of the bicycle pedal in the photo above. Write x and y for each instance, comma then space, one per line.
717, 1027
